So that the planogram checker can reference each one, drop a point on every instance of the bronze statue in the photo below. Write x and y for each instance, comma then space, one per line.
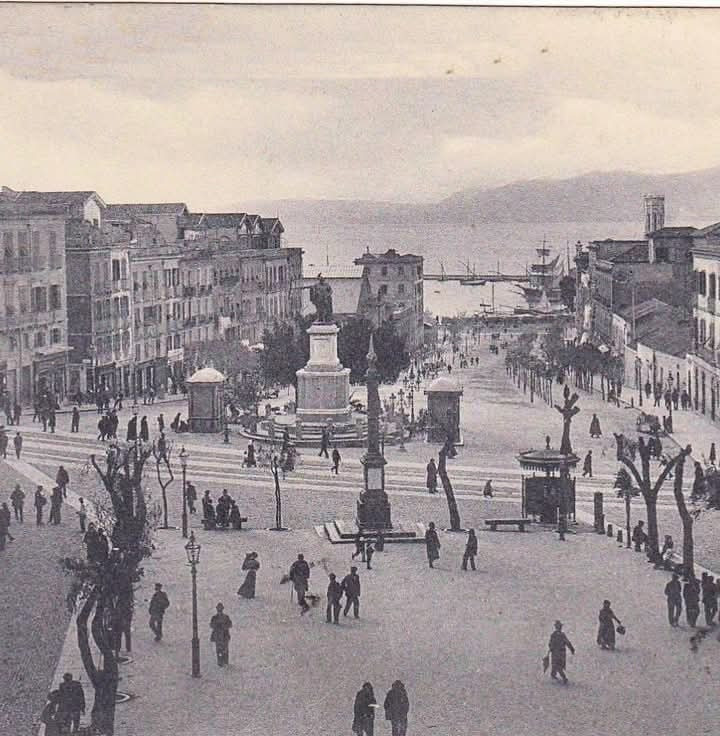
321, 297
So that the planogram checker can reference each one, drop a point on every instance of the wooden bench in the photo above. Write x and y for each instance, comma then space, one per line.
210, 525
519, 523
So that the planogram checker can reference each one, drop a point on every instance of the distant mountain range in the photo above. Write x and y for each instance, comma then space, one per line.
690, 199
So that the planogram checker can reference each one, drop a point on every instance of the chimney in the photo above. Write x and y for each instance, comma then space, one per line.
654, 212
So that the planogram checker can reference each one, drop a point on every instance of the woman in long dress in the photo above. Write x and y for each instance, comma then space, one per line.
606, 631
251, 564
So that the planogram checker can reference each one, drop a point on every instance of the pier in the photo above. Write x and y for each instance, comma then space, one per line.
494, 277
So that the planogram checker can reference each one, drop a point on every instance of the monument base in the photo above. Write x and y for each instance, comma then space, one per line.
373, 511
341, 531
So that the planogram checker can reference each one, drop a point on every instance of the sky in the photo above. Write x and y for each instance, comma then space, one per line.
218, 104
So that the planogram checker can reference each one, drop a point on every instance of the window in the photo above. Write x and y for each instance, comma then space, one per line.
22, 238
98, 311
712, 286
39, 339
383, 271
701, 283
401, 270
115, 269
382, 291
401, 288
662, 255
38, 299
13, 342
56, 336
26, 340
55, 297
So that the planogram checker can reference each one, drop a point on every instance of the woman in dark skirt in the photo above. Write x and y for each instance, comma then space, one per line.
251, 564
606, 630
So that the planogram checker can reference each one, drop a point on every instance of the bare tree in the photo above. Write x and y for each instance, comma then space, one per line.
455, 525
648, 488
162, 460
685, 516
104, 588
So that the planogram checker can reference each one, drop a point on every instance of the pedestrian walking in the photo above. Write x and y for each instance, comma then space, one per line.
709, 599
324, 441
397, 707
431, 477
62, 479
191, 497
351, 588
40, 501
4, 525
51, 420
17, 500
691, 596
488, 489
557, 649
72, 703
432, 544
250, 461
131, 434
364, 712
144, 431
335, 459
471, 549
595, 430
359, 547
51, 715
606, 630
75, 420
18, 443
300, 577
369, 552
159, 603
587, 464
673, 593
251, 564
334, 594
82, 515
3, 443
17, 412
713, 456
220, 624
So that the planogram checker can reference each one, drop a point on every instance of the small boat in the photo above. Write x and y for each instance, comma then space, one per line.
473, 282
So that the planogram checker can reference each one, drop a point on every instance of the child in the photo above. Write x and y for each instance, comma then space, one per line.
82, 514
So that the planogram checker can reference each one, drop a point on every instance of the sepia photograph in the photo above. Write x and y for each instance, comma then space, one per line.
359, 370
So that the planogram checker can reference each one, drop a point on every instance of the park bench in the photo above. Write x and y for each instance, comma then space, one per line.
210, 525
495, 523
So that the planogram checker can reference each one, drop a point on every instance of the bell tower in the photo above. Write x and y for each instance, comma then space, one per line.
654, 212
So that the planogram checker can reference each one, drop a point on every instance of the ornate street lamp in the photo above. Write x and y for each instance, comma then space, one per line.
183, 455
192, 550
401, 396
412, 404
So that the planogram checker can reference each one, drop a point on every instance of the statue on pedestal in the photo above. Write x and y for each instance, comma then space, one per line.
321, 297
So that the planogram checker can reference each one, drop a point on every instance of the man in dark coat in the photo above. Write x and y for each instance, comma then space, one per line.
40, 502
334, 594
673, 593
639, 537
72, 702
557, 647
351, 588
17, 498
144, 431
471, 548
324, 441
221, 624
18, 443
363, 712
56, 500
431, 478
709, 599
595, 430
191, 496
432, 544
17, 412
62, 479
75, 420
4, 525
300, 575
397, 707
131, 435
3, 443
691, 596
336, 459
587, 464
159, 603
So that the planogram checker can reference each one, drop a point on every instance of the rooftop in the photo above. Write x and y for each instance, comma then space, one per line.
138, 209
335, 271
670, 232
389, 256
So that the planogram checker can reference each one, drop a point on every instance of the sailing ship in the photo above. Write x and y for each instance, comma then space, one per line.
542, 292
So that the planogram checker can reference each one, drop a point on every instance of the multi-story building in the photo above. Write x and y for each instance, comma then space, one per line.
33, 316
396, 281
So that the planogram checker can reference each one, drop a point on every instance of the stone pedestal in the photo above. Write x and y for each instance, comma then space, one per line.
323, 385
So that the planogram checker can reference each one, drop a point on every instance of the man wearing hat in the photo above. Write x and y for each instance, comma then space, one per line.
159, 603
72, 702
221, 624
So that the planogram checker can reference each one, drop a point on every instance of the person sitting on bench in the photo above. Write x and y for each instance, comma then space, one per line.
235, 518
222, 508
208, 508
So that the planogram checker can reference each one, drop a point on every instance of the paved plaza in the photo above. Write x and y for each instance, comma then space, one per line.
468, 646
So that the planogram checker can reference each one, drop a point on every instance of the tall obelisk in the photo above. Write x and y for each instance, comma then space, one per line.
373, 507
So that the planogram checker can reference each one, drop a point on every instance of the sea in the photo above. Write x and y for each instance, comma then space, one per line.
507, 247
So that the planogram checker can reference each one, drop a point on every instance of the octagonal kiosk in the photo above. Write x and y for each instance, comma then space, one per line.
205, 400
443, 407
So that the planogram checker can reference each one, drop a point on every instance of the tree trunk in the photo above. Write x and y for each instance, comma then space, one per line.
651, 508
278, 500
627, 517
686, 519
449, 494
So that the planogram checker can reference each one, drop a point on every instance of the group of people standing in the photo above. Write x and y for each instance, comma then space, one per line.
396, 706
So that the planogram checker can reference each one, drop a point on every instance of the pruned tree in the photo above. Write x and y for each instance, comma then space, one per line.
686, 517
103, 589
644, 482
453, 511
161, 453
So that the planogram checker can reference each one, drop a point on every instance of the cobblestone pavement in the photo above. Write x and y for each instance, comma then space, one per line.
33, 616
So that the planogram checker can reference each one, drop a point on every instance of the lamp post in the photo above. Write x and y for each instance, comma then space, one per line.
412, 404
137, 431
193, 554
183, 464
401, 396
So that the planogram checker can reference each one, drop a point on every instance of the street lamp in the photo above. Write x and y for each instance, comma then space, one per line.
193, 554
412, 404
183, 464
401, 396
